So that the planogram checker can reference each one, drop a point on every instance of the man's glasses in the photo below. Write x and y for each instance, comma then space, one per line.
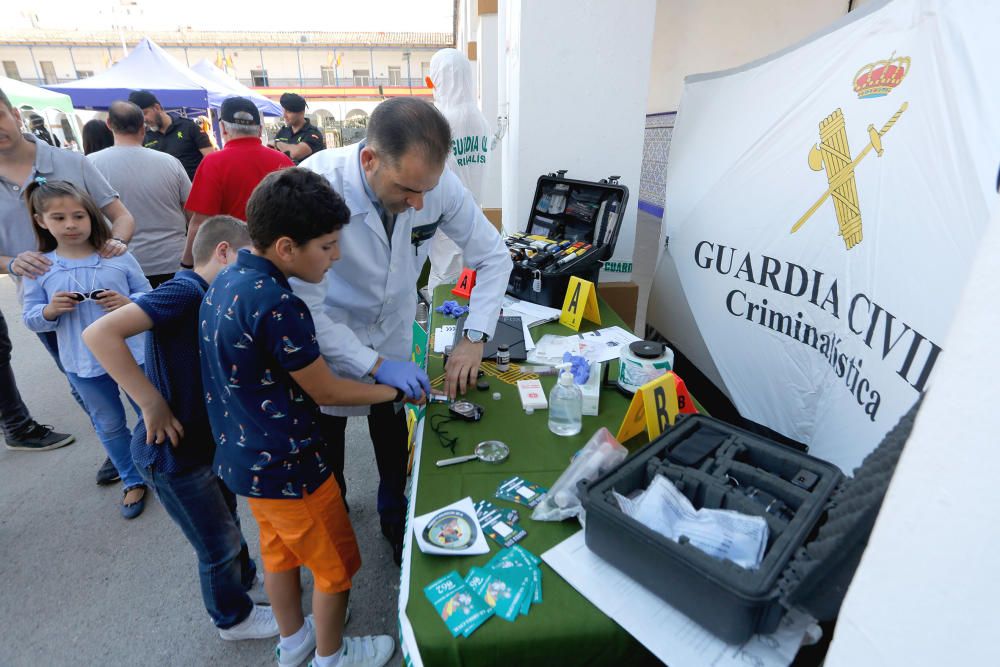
83, 296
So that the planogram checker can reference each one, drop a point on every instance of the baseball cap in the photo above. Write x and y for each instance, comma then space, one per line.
239, 110
142, 98
292, 102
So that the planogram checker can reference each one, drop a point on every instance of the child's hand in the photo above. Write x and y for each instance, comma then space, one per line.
62, 303
418, 401
111, 300
161, 425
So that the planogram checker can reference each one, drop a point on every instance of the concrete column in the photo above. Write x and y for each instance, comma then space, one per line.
577, 74
487, 67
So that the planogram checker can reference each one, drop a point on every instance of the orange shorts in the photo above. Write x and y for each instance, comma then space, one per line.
313, 531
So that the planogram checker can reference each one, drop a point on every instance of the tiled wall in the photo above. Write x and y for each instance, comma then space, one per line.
653, 178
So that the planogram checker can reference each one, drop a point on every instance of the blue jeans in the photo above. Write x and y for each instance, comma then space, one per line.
51, 344
107, 414
205, 510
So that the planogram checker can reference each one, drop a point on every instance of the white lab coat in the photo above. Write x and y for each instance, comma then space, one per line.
455, 98
365, 306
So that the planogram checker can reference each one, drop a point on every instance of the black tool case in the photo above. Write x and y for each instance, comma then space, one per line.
818, 523
564, 209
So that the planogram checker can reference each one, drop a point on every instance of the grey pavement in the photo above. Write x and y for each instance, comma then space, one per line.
82, 586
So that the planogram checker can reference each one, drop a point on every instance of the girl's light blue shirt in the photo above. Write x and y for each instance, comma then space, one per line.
121, 274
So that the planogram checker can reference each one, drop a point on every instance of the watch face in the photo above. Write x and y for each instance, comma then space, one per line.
451, 529
474, 336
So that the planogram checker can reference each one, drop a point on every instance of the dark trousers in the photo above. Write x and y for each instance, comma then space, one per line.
205, 510
388, 432
51, 343
13, 412
155, 280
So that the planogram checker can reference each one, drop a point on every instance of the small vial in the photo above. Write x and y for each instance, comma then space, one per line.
503, 358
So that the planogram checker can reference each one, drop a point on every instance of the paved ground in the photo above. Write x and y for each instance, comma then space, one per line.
82, 586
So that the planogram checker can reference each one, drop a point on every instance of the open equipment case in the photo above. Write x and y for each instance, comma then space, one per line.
572, 230
818, 521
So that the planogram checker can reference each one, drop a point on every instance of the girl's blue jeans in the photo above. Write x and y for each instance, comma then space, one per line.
107, 414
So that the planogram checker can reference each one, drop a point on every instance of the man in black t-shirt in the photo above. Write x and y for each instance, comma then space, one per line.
299, 138
172, 134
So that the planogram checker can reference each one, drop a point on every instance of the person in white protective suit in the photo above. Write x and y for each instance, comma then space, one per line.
455, 98
399, 193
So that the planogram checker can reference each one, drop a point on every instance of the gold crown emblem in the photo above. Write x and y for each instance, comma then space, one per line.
877, 79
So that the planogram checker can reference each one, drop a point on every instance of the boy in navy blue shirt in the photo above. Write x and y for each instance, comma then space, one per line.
172, 445
264, 381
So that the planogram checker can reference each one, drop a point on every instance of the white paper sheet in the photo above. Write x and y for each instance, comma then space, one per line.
465, 506
443, 337
667, 633
605, 344
532, 313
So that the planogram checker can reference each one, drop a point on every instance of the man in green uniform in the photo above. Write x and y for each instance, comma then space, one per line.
299, 138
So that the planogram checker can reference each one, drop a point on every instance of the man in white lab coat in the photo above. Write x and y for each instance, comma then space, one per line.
400, 194
455, 98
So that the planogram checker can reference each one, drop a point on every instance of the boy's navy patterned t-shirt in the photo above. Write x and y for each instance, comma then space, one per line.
253, 332
173, 368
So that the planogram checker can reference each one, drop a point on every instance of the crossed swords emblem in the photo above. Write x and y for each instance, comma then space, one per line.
834, 154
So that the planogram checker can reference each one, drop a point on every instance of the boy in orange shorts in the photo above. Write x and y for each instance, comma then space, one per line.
264, 379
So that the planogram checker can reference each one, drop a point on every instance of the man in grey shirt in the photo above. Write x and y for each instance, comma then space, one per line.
154, 187
24, 158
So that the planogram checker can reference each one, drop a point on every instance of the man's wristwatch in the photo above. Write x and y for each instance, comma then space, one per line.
474, 336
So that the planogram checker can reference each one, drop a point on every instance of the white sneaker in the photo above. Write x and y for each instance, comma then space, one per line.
294, 657
260, 624
369, 651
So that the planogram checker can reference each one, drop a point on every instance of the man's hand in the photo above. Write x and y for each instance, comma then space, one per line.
31, 264
463, 367
405, 376
62, 302
161, 425
113, 248
111, 300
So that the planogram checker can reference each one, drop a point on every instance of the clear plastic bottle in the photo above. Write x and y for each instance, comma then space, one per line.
565, 406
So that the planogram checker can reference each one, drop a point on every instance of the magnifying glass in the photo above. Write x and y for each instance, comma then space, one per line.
489, 451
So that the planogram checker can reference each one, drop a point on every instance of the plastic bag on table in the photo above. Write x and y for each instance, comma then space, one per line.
601, 453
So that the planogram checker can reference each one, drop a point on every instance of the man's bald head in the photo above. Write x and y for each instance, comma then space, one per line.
125, 118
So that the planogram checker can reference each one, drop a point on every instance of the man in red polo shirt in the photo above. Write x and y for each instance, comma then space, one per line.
225, 179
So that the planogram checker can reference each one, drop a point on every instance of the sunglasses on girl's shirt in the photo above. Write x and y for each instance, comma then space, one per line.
83, 296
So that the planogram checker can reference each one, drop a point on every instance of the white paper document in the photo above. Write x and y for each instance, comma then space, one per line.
667, 633
723, 534
443, 337
532, 313
605, 344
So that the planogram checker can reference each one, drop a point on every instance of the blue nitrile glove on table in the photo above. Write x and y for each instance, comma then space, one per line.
405, 376
580, 370
451, 309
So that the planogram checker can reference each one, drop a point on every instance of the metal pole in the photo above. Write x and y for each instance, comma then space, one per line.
371, 61
72, 60
35, 63
298, 56
409, 79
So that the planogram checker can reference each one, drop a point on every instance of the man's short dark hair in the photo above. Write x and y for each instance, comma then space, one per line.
4, 100
296, 203
214, 231
125, 117
401, 124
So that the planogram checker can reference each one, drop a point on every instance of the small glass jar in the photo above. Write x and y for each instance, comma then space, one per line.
503, 358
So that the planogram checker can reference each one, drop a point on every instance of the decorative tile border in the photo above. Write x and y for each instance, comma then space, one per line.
653, 177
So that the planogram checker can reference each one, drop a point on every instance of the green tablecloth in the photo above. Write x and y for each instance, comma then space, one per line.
565, 629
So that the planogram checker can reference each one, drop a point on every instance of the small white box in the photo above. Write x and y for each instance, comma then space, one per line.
592, 391
532, 395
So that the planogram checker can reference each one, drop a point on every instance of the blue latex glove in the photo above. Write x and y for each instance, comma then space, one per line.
580, 370
404, 375
452, 309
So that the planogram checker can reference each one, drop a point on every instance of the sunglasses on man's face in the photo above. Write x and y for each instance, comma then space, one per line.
83, 296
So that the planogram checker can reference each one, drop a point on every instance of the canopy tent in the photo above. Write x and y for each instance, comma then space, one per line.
147, 67
22, 94
209, 71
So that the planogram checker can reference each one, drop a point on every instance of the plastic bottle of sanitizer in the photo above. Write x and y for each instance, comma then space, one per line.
565, 406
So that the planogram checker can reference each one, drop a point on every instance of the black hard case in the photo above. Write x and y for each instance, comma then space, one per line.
554, 281
810, 559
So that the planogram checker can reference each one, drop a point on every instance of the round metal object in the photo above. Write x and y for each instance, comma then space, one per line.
492, 451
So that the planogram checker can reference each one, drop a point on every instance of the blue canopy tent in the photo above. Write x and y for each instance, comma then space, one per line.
147, 67
221, 79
